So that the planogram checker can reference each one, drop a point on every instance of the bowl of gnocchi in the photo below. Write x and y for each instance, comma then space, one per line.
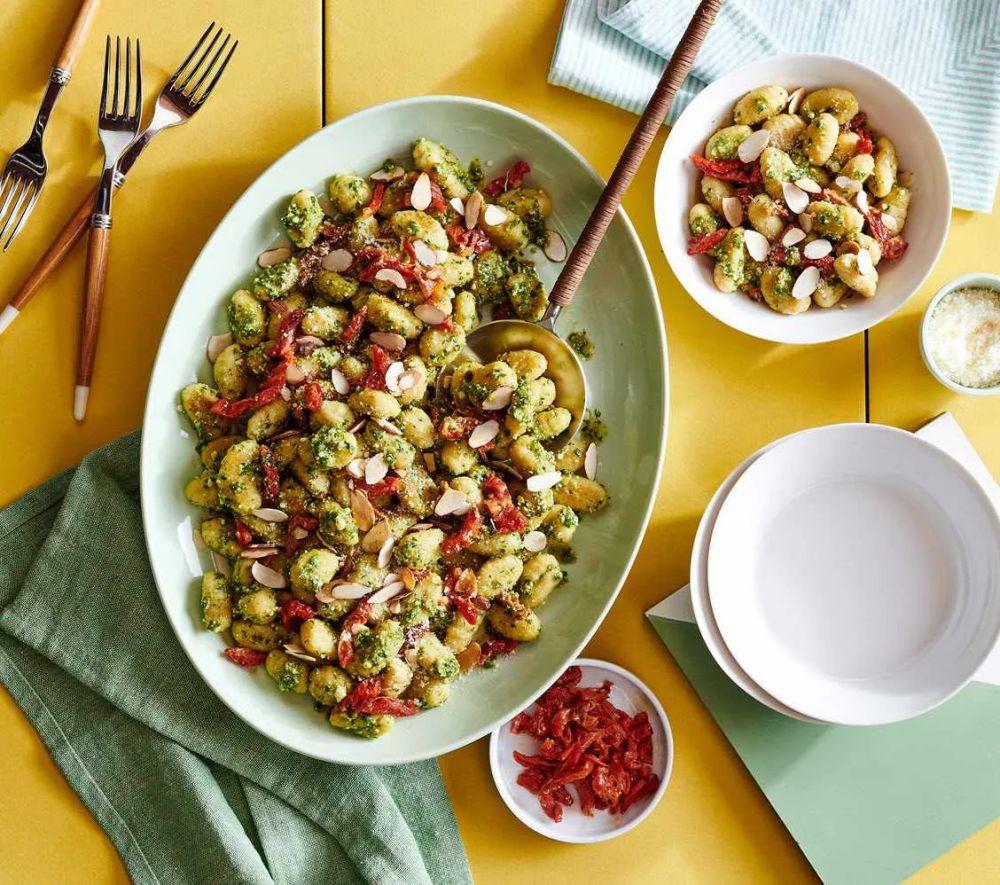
367, 564
802, 198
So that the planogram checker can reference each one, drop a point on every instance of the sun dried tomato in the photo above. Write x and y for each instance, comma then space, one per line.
512, 178
269, 474
376, 201
496, 498
825, 264
345, 644
857, 121
493, 647
832, 196
468, 242
706, 242
390, 485
270, 390
380, 364
284, 346
465, 607
364, 690
354, 327
468, 534
390, 706
243, 534
246, 657
454, 427
295, 522
438, 202
312, 396
893, 248
864, 145
367, 273
728, 170
294, 612
754, 293
745, 195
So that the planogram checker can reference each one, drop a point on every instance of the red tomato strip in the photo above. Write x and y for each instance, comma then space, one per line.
728, 170
245, 657
512, 178
468, 534
706, 242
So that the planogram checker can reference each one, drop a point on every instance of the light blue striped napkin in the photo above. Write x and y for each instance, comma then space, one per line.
945, 54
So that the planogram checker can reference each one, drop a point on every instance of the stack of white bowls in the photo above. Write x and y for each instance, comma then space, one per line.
849, 574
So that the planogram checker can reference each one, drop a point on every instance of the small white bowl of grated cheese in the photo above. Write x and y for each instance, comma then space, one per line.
960, 335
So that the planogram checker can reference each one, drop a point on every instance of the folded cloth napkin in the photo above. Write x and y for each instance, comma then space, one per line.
185, 790
945, 55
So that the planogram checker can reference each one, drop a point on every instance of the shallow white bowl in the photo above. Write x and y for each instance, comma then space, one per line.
854, 573
627, 381
975, 280
890, 112
628, 693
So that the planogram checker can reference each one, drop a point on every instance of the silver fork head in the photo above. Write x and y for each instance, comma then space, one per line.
118, 121
195, 78
19, 189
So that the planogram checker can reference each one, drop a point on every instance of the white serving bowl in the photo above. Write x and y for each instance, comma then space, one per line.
628, 693
973, 280
890, 112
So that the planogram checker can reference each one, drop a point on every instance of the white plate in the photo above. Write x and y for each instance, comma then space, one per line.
702, 604
626, 378
854, 572
628, 694
890, 112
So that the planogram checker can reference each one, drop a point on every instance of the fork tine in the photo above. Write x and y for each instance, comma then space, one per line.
10, 184
201, 59
218, 73
128, 75
107, 65
25, 212
137, 112
208, 68
118, 77
21, 188
191, 54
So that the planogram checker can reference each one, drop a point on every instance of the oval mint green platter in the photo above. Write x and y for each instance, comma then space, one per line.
617, 305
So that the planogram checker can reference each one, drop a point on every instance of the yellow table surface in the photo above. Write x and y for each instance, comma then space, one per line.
298, 65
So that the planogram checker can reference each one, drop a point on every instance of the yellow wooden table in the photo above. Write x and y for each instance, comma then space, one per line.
300, 65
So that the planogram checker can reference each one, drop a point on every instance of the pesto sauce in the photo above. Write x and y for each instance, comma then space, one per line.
581, 343
593, 427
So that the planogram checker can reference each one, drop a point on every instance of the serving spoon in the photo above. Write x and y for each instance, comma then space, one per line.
491, 339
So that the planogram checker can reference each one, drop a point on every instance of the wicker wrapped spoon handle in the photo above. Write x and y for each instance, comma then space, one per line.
650, 121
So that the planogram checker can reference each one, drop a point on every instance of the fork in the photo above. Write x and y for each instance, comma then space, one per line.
177, 103
117, 124
24, 174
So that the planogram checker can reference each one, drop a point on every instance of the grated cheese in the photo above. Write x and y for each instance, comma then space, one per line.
964, 337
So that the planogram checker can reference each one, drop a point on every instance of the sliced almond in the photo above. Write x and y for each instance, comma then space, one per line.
498, 399
390, 275
392, 376
376, 537
273, 256
542, 481
861, 201
348, 590
356, 468
732, 210
420, 196
357, 426
294, 374
473, 206
268, 576
337, 260
309, 341
221, 565
457, 205
484, 433
534, 542
757, 245
340, 382
385, 553
430, 314
850, 185
217, 344
362, 510
424, 253
792, 236
389, 340
286, 394
258, 551
467, 583
795, 99
806, 220
555, 246
864, 260
753, 145
796, 198
388, 426
889, 221
806, 283
270, 514
450, 501
199, 541
300, 534
469, 656
430, 462
375, 469
409, 379
390, 174
817, 248
590, 461
388, 592
297, 651
808, 185
494, 215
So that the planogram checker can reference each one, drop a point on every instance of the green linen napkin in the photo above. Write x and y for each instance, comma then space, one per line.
185, 790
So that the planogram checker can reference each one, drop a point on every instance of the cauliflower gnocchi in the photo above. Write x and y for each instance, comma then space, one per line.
375, 534
798, 180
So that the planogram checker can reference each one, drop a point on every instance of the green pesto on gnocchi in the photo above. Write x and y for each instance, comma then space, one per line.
375, 534
799, 200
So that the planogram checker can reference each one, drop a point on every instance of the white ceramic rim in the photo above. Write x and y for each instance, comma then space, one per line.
145, 453
654, 800
992, 515
979, 280
736, 83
